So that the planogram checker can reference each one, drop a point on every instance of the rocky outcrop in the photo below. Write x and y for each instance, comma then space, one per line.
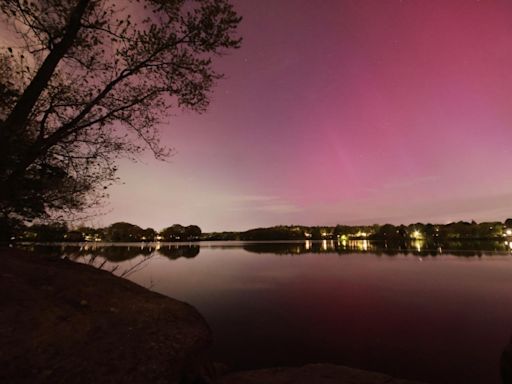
506, 364
63, 322
311, 374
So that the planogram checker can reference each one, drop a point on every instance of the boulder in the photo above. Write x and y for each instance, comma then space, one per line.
309, 374
506, 364
64, 322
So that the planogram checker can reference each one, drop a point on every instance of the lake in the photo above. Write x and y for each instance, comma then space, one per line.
442, 316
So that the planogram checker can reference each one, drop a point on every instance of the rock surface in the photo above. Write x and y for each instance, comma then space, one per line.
311, 374
63, 322
506, 364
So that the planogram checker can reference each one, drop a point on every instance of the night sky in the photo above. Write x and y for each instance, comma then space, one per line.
353, 112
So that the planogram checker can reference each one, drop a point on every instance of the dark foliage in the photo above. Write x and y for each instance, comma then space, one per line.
88, 82
178, 232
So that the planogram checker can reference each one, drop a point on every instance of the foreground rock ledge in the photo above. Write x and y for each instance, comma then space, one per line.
63, 322
311, 374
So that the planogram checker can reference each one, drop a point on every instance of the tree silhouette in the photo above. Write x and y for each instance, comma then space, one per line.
88, 81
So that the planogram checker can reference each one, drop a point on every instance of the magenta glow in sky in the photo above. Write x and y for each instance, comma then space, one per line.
354, 112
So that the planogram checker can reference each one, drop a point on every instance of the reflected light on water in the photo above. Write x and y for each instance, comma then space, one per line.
355, 245
358, 245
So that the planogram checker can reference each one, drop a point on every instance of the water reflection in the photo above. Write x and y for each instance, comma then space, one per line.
120, 252
416, 247
115, 253
174, 251
112, 254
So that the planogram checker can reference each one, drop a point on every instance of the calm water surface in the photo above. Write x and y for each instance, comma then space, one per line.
440, 316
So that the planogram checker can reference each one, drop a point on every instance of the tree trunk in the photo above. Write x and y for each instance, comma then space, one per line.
17, 119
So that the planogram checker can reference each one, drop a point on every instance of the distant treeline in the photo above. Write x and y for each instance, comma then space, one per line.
461, 230
126, 232
117, 232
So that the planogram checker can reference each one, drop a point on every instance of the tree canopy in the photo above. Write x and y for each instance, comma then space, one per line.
178, 232
88, 81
